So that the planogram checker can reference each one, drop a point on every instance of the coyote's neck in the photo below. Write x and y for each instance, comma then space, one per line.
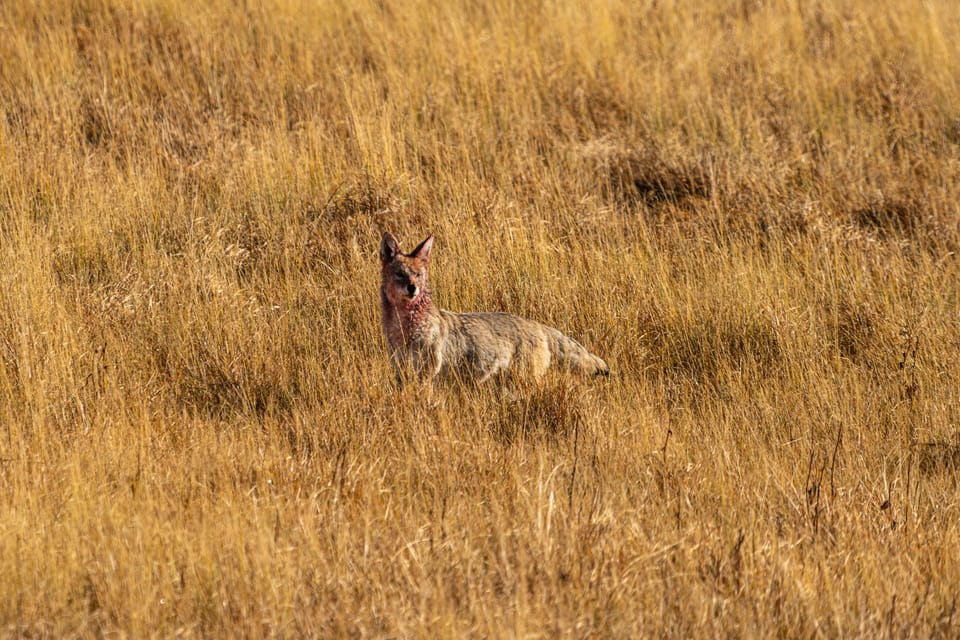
404, 322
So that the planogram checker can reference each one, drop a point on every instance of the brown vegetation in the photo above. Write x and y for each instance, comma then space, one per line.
749, 209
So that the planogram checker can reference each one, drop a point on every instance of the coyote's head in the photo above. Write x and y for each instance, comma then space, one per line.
404, 276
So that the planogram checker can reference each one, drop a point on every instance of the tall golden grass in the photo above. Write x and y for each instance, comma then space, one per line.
749, 209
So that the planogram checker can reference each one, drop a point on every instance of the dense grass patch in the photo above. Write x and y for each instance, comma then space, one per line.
749, 210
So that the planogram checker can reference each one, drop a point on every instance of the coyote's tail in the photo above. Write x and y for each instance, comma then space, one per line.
574, 356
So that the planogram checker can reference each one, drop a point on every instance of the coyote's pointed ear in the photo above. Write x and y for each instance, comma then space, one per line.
389, 247
422, 252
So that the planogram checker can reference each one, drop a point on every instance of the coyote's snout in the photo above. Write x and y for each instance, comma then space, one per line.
463, 345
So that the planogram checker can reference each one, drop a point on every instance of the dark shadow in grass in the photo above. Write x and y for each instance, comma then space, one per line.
659, 184
214, 394
939, 457
895, 218
648, 179
628, 177
911, 220
85, 264
856, 330
701, 349
206, 384
693, 357
553, 409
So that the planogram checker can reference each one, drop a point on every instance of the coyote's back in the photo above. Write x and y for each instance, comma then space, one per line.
487, 344
464, 345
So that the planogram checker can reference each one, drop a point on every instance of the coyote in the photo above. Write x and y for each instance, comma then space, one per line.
465, 346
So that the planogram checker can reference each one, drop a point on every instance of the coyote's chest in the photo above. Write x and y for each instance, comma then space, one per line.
404, 326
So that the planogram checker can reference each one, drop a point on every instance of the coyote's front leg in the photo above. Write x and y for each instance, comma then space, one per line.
426, 366
419, 367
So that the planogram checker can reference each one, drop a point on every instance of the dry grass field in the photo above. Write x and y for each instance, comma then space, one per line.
750, 209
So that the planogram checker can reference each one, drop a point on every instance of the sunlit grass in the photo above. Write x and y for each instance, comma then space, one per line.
749, 210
